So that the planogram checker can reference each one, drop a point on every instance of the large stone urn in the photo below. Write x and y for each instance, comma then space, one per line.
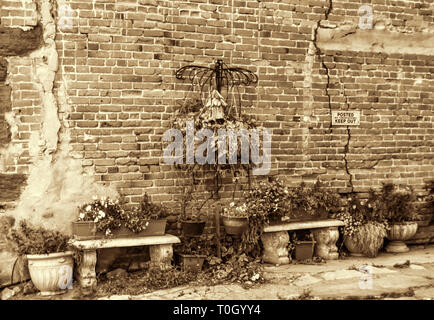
398, 233
51, 273
353, 246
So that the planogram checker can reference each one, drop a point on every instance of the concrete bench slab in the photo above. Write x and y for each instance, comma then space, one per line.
160, 251
275, 239
124, 242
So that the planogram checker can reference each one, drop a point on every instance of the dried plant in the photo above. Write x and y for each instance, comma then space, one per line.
369, 238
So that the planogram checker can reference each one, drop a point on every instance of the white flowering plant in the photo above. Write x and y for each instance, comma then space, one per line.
235, 210
107, 214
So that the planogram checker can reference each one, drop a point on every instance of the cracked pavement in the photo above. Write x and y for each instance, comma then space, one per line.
388, 277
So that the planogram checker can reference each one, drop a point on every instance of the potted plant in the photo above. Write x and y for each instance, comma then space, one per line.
397, 208
363, 232
50, 264
311, 203
235, 219
105, 217
267, 203
148, 220
97, 219
192, 224
192, 252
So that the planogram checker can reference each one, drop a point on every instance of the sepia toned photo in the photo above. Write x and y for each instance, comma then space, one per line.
234, 151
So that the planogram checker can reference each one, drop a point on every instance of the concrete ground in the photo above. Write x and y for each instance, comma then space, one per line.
388, 276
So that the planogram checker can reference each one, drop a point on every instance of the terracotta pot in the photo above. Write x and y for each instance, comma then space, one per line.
84, 230
192, 228
398, 233
192, 262
51, 273
154, 228
235, 226
304, 250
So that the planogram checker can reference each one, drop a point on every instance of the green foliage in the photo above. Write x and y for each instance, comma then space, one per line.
28, 239
309, 201
267, 201
203, 245
137, 220
109, 214
392, 205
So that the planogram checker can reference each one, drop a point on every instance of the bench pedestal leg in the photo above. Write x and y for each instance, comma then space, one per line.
275, 247
326, 242
87, 272
161, 256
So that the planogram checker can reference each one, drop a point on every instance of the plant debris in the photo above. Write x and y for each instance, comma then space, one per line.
402, 265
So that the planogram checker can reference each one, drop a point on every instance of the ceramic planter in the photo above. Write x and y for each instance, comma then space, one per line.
192, 262
353, 247
86, 230
304, 250
398, 233
302, 215
367, 242
192, 228
51, 273
235, 226
154, 228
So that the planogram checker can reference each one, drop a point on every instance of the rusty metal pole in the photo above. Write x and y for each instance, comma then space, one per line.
217, 231
219, 75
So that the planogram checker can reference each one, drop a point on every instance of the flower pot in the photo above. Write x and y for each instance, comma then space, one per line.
398, 233
235, 226
154, 228
84, 230
366, 241
300, 215
353, 247
192, 262
192, 228
304, 250
51, 273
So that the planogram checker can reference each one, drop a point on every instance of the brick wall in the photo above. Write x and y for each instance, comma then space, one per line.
117, 61
19, 101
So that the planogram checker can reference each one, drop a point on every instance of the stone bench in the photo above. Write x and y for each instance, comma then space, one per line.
160, 251
276, 238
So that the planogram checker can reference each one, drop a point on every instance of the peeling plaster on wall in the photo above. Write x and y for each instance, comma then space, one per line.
57, 183
12, 151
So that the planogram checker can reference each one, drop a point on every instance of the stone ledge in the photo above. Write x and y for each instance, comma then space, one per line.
124, 242
376, 41
304, 225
